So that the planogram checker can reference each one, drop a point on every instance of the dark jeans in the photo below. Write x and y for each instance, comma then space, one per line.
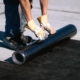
12, 26
12, 17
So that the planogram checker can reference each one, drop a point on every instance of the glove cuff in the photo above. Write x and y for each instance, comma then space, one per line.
43, 19
31, 25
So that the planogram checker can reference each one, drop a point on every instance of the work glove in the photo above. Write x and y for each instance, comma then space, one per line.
43, 20
38, 31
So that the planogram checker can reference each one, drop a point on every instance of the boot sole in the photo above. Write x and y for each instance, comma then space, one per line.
6, 43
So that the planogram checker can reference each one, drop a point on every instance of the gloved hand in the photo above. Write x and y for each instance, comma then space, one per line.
38, 31
45, 25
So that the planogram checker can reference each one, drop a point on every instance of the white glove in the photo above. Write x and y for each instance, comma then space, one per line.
45, 25
38, 31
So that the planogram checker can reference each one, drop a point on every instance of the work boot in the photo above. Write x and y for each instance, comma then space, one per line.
23, 39
17, 42
12, 43
39, 32
43, 20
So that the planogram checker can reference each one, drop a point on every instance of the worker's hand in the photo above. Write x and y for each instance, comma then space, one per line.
45, 25
39, 32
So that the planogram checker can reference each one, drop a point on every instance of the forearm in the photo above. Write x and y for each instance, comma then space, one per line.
25, 5
44, 6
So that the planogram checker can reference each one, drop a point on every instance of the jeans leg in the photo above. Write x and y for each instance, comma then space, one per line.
12, 17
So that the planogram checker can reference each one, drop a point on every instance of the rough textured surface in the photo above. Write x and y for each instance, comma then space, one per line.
61, 62
57, 63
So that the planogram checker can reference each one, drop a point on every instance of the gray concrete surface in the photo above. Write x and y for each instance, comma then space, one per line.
60, 13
